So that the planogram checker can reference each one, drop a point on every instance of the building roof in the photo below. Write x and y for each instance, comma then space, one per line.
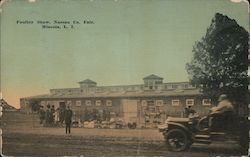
177, 92
152, 77
87, 81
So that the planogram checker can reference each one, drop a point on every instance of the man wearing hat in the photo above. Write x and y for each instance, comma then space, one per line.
68, 117
224, 106
222, 114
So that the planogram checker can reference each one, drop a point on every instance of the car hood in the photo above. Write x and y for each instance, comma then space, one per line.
177, 119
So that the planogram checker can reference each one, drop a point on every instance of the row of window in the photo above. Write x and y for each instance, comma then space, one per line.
176, 102
181, 86
97, 103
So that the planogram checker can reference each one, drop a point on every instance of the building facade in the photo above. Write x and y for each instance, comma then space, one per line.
146, 104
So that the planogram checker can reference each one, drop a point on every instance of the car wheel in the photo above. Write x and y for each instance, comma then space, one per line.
177, 140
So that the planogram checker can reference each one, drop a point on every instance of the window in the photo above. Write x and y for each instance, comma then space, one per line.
78, 103
98, 102
189, 102
180, 86
150, 103
88, 103
108, 103
167, 86
69, 103
150, 85
159, 102
151, 109
175, 102
144, 103
191, 86
174, 86
206, 102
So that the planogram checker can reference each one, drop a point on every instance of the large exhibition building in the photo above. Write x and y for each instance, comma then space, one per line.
150, 102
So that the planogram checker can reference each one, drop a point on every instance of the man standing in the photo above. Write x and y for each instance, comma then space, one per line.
189, 112
47, 116
53, 114
41, 115
68, 117
61, 115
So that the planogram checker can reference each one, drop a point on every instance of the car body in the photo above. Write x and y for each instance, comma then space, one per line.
180, 133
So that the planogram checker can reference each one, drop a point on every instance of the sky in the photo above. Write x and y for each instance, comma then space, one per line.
126, 41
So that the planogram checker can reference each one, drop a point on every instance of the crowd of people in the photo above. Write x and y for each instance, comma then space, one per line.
53, 117
56, 117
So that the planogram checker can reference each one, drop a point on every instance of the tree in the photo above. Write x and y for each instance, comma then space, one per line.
219, 64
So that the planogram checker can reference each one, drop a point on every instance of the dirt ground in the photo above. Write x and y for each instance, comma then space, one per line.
101, 143
29, 139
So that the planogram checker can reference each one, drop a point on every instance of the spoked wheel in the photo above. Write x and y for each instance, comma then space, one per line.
177, 140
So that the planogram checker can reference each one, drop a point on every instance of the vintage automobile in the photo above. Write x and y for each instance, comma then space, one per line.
181, 133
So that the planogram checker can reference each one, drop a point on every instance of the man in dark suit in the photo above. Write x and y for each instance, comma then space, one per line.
68, 117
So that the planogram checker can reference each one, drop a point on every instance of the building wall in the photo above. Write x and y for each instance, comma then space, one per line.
139, 107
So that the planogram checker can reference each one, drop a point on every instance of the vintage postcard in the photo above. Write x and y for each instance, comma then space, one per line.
109, 78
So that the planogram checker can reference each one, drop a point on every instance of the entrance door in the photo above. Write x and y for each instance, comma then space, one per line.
129, 108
